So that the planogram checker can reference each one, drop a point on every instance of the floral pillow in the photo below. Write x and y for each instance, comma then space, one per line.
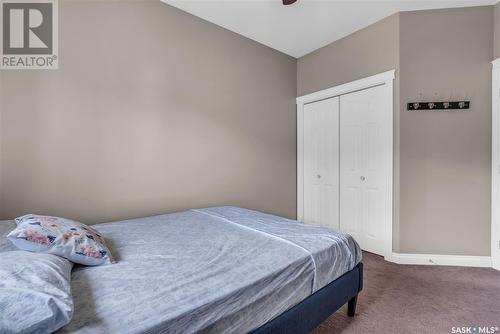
67, 238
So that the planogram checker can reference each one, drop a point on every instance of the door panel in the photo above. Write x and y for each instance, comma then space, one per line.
321, 162
365, 166
351, 211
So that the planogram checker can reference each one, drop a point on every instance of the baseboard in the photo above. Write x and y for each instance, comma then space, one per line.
441, 260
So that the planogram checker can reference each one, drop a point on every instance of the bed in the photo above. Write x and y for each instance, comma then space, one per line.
215, 270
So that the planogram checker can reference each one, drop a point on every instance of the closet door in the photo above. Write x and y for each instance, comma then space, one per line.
321, 163
365, 156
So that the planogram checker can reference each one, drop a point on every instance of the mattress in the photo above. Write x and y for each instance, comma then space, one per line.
213, 270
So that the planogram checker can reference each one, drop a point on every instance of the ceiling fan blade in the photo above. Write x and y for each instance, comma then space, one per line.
288, 2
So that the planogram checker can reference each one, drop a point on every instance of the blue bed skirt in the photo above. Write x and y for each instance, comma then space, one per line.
312, 311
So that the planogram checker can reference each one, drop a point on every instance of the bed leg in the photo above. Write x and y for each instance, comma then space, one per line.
351, 306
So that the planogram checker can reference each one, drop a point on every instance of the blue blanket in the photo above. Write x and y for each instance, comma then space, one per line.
214, 270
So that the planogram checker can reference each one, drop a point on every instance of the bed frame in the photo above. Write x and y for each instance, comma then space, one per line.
312, 311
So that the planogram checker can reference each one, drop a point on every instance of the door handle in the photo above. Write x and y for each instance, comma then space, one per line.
362, 178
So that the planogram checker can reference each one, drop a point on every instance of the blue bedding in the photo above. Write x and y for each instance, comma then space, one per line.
214, 270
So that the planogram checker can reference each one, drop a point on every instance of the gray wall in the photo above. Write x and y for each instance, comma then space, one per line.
1, 159
445, 157
497, 31
152, 110
369, 51
442, 160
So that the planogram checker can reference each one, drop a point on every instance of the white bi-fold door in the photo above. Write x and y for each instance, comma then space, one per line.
365, 167
321, 162
345, 161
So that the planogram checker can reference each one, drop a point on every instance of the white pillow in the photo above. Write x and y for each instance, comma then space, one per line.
35, 292
67, 238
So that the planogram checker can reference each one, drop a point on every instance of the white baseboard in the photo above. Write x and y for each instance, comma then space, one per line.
441, 260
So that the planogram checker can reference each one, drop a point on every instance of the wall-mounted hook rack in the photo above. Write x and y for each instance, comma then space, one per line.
441, 106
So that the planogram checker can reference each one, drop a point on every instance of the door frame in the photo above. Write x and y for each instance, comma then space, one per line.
384, 78
495, 165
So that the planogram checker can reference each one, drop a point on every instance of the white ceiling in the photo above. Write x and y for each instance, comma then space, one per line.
308, 24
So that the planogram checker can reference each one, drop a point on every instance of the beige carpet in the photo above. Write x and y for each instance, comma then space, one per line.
420, 299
